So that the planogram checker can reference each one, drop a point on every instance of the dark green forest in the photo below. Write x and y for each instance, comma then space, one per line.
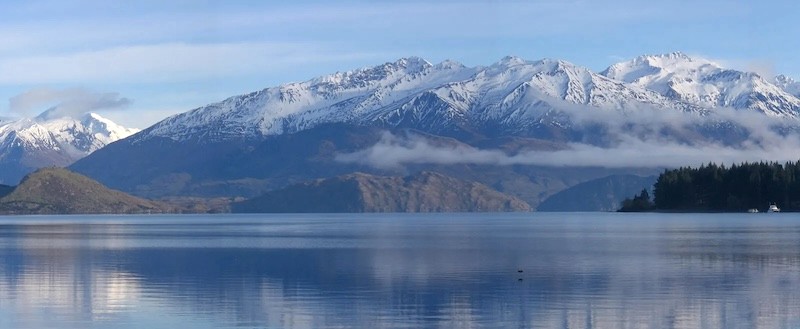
714, 187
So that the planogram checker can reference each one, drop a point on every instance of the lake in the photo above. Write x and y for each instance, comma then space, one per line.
578, 270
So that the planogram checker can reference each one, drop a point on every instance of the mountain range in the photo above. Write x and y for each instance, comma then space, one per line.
511, 97
297, 132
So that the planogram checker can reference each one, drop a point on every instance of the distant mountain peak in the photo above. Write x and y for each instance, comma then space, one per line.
413, 63
661, 65
449, 64
52, 139
511, 60
673, 59
367, 76
784, 79
673, 56
788, 84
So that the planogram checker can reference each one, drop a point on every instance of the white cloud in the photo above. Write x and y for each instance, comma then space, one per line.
392, 152
65, 102
636, 143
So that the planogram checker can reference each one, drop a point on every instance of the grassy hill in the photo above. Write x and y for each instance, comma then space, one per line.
359, 192
60, 191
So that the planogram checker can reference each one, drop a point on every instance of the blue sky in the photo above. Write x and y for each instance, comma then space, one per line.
166, 57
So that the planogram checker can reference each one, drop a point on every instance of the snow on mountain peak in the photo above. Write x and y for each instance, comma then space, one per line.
510, 61
449, 65
645, 68
705, 83
72, 138
413, 64
673, 60
339, 97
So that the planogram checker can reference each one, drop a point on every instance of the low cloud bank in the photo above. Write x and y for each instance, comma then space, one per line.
637, 143
392, 152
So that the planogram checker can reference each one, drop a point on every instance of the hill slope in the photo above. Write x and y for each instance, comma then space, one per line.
602, 194
424, 192
59, 191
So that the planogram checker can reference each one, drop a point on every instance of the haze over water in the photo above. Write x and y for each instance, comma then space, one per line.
579, 270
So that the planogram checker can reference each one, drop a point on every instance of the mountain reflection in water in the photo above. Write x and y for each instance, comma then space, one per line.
582, 270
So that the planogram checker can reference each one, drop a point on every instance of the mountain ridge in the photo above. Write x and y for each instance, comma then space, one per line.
513, 95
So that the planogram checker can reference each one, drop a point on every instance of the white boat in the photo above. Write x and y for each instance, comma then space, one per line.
773, 208
752, 210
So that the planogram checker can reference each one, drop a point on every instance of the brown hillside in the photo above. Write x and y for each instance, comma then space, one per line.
358, 192
60, 191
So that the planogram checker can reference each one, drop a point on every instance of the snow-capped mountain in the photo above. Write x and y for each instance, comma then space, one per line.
50, 140
340, 97
517, 95
511, 96
705, 83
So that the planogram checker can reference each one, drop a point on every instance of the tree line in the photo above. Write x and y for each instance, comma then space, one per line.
714, 187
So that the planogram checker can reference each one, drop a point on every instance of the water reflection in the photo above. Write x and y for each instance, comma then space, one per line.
579, 271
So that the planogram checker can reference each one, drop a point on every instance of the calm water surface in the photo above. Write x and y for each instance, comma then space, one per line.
579, 270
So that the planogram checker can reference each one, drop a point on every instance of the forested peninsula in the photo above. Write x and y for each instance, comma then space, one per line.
717, 188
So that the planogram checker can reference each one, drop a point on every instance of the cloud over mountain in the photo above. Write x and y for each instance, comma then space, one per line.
651, 138
65, 102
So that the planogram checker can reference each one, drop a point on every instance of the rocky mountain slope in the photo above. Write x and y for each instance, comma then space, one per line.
59, 191
359, 192
31, 143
